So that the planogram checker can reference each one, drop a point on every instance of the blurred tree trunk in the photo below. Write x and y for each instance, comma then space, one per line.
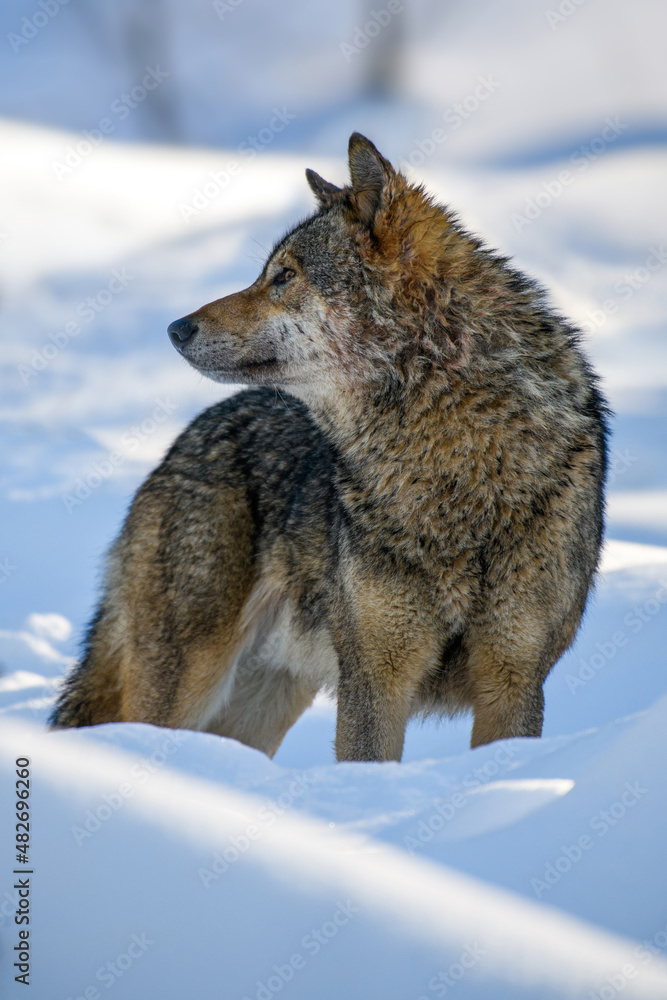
384, 55
135, 35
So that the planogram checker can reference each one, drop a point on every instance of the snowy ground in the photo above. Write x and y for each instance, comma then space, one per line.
181, 865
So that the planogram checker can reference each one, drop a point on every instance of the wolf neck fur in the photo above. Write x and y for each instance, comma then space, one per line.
393, 457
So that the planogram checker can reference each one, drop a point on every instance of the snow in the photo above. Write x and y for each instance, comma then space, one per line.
175, 864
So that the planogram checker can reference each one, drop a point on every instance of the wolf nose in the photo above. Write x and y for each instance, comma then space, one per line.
181, 330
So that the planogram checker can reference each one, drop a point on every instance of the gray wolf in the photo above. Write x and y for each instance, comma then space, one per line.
405, 507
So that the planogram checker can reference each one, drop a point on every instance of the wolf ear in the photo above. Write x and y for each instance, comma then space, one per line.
370, 173
325, 192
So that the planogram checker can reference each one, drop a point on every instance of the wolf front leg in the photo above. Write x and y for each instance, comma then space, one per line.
509, 660
383, 657
533, 612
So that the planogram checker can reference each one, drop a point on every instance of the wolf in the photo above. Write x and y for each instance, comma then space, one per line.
405, 507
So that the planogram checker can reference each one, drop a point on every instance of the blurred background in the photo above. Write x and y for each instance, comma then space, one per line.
152, 150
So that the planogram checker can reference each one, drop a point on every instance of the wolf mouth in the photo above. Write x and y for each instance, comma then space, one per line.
256, 365
228, 373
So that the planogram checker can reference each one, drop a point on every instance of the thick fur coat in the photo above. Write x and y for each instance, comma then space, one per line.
407, 508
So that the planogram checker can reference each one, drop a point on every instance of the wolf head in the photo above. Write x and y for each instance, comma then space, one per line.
359, 293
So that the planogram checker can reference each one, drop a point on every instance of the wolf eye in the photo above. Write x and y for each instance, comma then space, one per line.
283, 276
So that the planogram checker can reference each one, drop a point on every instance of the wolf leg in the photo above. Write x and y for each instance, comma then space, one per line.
372, 713
384, 654
532, 617
265, 702
507, 701
506, 672
162, 646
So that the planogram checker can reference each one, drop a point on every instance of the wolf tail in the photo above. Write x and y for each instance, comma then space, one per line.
92, 692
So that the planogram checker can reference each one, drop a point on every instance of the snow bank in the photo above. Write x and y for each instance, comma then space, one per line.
161, 884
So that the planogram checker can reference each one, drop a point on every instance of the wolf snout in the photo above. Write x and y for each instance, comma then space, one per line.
182, 330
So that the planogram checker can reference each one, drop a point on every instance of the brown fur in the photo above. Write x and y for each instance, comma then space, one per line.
416, 525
